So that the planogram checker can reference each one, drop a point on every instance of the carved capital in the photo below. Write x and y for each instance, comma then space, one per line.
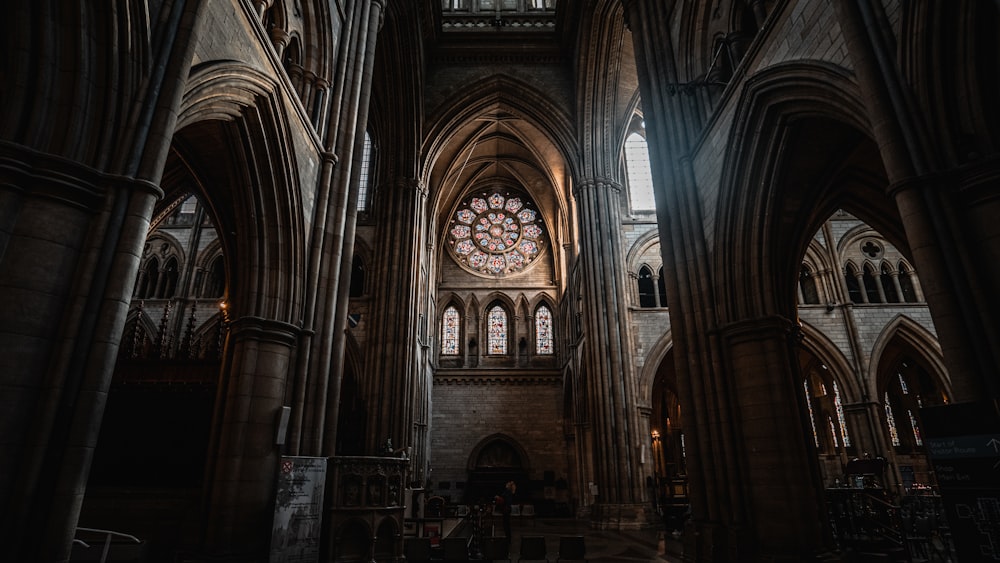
257, 328
596, 184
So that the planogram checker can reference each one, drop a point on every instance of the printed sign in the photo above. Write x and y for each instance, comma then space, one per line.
298, 510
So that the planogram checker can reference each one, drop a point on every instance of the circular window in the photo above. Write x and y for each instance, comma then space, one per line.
495, 233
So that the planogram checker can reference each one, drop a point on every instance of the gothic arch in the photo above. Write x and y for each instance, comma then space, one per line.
507, 441
173, 248
473, 309
517, 101
651, 365
508, 94
233, 135
508, 305
467, 328
779, 104
816, 342
921, 341
639, 248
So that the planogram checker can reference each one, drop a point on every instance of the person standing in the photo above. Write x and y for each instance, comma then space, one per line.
507, 499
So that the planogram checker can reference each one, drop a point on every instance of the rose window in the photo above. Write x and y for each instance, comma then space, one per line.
495, 234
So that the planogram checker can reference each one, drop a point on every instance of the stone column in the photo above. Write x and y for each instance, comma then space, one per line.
77, 189
731, 512
256, 368
389, 382
350, 176
785, 508
894, 275
610, 384
936, 219
70, 241
320, 360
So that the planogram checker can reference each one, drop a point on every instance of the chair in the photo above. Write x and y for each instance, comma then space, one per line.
533, 548
528, 513
417, 549
572, 548
456, 549
496, 548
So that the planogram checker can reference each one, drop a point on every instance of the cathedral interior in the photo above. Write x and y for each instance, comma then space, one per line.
718, 267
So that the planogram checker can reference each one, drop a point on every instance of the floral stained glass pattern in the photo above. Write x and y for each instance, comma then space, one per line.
497, 323
450, 328
543, 331
496, 234
812, 417
839, 406
891, 421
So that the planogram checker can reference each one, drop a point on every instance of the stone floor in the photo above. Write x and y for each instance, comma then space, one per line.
602, 546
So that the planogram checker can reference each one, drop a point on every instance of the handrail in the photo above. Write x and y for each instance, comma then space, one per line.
107, 539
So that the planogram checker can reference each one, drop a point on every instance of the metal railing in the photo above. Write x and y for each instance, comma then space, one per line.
108, 534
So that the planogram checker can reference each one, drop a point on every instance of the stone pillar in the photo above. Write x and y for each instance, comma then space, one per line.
317, 380
610, 383
279, 38
389, 382
936, 216
894, 276
785, 508
258, 353
350, 178
70, 241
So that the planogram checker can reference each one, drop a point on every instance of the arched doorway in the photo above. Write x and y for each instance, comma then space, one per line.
494, 461
669, 483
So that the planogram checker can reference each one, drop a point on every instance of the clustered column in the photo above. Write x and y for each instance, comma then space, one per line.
391, 370
610, 386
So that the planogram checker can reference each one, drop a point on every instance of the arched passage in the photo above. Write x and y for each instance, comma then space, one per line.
494, 461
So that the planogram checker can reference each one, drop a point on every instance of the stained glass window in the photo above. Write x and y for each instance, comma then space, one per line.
450, 328
891, 421
833, 432
543, 331
640, 177
497, 323
496, 233
916, 429
366, 161
812, 417
840, 415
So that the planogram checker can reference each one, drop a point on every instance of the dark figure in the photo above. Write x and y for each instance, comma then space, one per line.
506, 501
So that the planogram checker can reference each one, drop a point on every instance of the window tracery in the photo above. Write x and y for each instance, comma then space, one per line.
640, 175
497, 330
450, 329
496, 234
365, 180
647, 292
543, 331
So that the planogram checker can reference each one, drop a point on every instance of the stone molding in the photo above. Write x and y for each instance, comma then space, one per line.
763, 328
497, 379
258, 328
52, 177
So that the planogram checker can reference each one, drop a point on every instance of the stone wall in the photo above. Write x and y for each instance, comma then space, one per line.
469, 409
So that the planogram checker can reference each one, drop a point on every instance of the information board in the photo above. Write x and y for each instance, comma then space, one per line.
298, 510
963, 442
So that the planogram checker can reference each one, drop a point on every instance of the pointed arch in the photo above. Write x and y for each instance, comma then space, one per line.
249, 179
506, 442
499, 331
917, 338
817, 343
779, 105
651, 365
544, 330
